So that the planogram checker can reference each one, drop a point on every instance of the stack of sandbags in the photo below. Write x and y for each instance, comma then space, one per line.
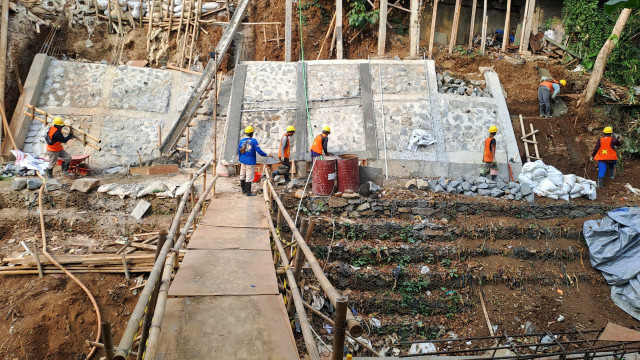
546, 180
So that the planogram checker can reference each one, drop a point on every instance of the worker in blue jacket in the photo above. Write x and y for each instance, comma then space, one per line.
247, 149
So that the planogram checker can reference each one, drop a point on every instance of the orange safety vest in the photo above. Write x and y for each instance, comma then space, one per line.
316, 147
56, 146
287, 150
488, 155
549, 84
606, 152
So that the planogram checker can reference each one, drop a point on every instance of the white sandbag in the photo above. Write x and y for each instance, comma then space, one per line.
524, 177
569, 179
577, 189
528, 167
107, 187
210, 6
135, 13
102, 4
177, 10
125, 190
566, 188
177, 2
181, 189
154, 187
539, 174
547, 186
165, 194
564, 197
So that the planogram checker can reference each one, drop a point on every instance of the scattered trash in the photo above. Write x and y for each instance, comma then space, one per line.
560, 318
422, 348
328, 328
420, 137
633, 190
424, 270
318, 302
495, 328
375, 323
560, 292
113, 170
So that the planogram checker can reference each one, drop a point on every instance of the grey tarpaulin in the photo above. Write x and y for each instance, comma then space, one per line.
614, 249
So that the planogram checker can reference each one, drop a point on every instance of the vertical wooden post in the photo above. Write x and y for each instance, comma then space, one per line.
339, 326
454, 27
524, 25
526, 29
107, 340
287, 30
159, 136
507, 19
414, 24
433, 27
4, 26
473, 23
382, 31
297, 264
186, 152
279, 218
148, 316
339, 49
151, 10
484, 27
109, 10
226, 4
215, 128
36, 253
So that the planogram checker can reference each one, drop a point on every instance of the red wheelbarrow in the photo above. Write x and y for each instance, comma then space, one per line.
78, 164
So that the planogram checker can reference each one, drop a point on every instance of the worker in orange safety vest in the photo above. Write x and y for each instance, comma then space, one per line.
605, 154
284, 153
54, 139
547, 91
320, 144
489, 155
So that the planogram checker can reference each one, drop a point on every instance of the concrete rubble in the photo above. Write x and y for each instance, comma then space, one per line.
448, 84
480, 186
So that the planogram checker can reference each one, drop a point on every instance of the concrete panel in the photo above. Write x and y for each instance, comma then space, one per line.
367, 111
234, 115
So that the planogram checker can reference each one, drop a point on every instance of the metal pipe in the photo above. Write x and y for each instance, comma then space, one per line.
352, 324
163, 292
126, 342
339, 322
107, 340
305, 326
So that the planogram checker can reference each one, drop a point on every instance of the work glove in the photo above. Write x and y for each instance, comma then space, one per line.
70, 131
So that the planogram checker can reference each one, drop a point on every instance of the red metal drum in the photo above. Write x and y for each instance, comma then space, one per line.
324, 176
348, 173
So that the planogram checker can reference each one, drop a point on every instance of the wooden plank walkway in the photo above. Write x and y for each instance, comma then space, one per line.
224, 301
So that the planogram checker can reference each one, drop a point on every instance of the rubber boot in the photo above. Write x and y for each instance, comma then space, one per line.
548, 114
248, 189
600, 182
65, 168
542, 111
242, 187
612, 172
287, 177
49, 173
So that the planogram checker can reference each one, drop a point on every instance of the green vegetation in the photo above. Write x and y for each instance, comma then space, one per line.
591, 26
359, 16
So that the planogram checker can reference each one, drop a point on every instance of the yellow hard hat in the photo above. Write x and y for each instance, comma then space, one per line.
493, 129
326, 128
248, 129
608, 130
290, 128
563, 82
58, 121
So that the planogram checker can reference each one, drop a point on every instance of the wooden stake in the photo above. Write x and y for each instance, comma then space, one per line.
18, 80
226, 5
187, 152
505, 40
124, 264
139, 158
141, 14
433, 27
414, 24
184, 5
473, 23
170, 15
526, 146
339, 48
5, 125
107, 340
109, 9
484, 28
339, 328
287, 30
486, 316
382, 30
159, 136
37, 256
333, 19
524, 25
151, 8
454, 27
186, 32
535, 142
193, 35
526, 34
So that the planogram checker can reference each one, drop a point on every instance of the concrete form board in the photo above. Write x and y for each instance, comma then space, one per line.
235, 114
32, 88
302, 130
367, 110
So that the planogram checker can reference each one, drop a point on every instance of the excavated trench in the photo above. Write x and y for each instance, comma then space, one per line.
418, 266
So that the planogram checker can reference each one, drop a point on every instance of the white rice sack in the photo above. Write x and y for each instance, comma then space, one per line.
566, 188
569, 179
577, 189
547, 186
210, 6
539, 174
107, 187
154, 187
181, 189
528, 167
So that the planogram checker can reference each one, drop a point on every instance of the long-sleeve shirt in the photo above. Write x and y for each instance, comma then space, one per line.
58, 137
284, 143
556, 90
250, 146
615, 142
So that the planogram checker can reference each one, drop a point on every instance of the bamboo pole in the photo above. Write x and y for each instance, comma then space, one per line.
226, 5
214, 115
107, 340
333, 294
329, 30
141, 14
187, 148
4, 26
454, 27
339, 47
305, 326
433, 27
170, 15
524, 24
5, 123
306, 228
483, 43
287, 30
339, 322
473, 23
382, 30
414, 24
37, 255
75, 129
126, 342
184, 5
186, 33
505, 39
18, 80
193, 37
151, 13
109, 9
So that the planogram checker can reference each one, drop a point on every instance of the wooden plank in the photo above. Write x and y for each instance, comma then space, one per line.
414, 24
484, 28
526, 146
507, 20
225, 272
382, 30
535, 142
615, 332
241, 212
527, 29
454, 27
473, 23
155, 169
226, 327
338, 31
433, 27
208, 237
287, 30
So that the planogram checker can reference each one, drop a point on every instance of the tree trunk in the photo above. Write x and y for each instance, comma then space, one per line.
586, 98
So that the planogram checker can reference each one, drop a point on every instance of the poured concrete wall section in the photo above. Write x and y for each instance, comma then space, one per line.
123, 106
348, 96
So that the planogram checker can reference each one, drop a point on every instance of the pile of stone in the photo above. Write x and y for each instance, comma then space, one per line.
448, 84
480, 186
11, 170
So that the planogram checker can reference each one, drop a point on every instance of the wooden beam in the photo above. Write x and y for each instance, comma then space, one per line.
287, 30
507, 19
382, 32
339, 48
527, 29
484, 27
434, 14
473, 23
414, 24
454, 27
4, 26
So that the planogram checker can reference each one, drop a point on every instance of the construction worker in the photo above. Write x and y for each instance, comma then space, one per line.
605, 154
284, 154
545, 95
489, 155
247, 149
319, 145
54, 140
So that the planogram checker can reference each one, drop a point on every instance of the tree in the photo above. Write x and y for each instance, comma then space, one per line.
586, 98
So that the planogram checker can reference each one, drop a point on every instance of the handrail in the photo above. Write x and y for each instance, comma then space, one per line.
126, 342
305, 326
352, 324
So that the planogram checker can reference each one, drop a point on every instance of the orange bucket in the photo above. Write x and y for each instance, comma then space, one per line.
257, 177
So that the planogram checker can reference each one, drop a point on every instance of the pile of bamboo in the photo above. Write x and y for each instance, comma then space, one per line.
100, 263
